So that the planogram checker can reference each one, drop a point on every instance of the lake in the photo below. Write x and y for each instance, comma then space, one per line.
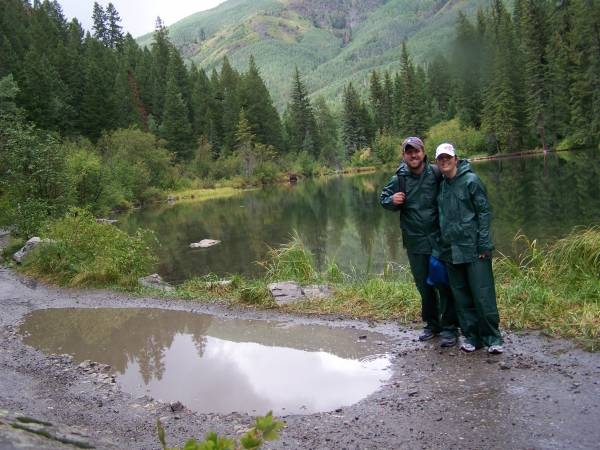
339, 218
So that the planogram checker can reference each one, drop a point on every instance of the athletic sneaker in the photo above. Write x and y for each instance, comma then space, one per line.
466, 347
426, 335
448, 342
495, 349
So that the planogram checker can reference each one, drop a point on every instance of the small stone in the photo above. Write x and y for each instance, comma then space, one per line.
176, 406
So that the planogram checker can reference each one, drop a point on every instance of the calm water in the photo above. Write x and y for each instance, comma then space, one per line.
217, 365
339, 218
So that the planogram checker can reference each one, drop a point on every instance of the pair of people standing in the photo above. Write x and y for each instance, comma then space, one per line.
448, 217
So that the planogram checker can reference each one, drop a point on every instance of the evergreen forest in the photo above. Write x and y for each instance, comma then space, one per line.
92, 119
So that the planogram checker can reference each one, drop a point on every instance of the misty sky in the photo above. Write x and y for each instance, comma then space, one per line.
138, 17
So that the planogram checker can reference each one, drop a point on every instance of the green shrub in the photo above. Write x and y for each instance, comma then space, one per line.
88, 177
363, 158
267, 173
83, 252
387, 147
305, 165
28, 216
468, 141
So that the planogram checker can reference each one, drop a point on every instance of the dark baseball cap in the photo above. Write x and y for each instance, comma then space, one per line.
413, 142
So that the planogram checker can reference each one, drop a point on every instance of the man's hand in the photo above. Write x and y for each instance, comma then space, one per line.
398, 198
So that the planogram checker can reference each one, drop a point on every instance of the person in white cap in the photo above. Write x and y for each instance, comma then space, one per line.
466, 247
413, 191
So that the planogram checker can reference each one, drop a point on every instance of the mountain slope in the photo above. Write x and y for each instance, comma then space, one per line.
331, 42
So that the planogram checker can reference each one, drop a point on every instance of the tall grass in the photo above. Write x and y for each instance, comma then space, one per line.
292, 261
556, 288
83, 252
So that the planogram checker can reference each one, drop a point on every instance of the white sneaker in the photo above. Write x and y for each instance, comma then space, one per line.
495, 349
466, 347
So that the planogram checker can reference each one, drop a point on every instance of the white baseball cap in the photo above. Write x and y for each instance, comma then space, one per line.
445, 149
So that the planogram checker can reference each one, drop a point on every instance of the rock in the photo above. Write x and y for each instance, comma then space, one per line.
285, 292
155, 281
204, 243
317, 291
176, 406
29, 245
103, 220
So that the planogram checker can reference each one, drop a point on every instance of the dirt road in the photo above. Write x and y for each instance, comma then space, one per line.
541, 394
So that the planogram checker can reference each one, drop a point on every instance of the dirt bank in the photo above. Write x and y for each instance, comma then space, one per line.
542, 394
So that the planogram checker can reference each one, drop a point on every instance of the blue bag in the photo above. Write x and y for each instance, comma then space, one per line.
438, 275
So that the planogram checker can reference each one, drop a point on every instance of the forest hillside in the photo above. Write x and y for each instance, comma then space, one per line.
330, 42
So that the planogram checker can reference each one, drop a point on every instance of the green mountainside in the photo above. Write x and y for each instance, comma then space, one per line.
331, 42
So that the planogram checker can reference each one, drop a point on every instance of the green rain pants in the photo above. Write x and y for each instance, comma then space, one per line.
475, 295
437, 308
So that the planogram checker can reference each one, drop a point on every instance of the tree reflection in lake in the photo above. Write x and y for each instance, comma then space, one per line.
219, 365
115, 336
340, 218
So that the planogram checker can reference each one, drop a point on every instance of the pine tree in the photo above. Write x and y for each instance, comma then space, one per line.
125, 100
354, 130
328, 130
13, 36
300, 125
216, 115
503, 113
229, 83
71, 73
584, 76
533, 28
114, 30
412, 103
559, 66
244, 145
439, 87
376, 99
97, 109
161, 52
387, 106
467, 60
260, 112
175, 127
201, 96
100, 25
42, 91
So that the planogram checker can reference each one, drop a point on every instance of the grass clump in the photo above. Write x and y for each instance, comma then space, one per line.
79, 251
375, 298
292, 261
556, 289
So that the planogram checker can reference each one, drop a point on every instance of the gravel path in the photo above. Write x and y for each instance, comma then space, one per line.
541, 394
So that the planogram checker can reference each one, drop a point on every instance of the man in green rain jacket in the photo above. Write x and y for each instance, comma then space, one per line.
466, 247
413, 191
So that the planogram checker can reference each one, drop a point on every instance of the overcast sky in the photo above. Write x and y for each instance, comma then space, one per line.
138, 17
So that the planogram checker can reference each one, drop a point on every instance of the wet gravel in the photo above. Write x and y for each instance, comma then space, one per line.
542, 393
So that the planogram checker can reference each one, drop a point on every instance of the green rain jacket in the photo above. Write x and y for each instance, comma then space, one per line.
464, 217
419, 213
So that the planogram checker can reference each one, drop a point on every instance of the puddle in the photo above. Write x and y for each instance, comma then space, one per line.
218, 365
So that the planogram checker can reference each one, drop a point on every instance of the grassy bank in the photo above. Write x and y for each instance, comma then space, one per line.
555, 288
198, 195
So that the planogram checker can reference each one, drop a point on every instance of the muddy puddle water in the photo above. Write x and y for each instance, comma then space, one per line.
218, 365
